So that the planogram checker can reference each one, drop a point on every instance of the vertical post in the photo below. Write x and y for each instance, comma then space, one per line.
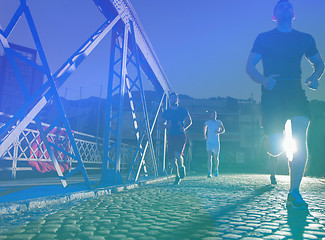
116, 84
143, 101
15, 159
165, 137
79, 107
121, 100
109, 108
98, 112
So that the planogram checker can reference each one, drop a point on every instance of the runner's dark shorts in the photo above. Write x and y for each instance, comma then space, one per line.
286, 100
176, 143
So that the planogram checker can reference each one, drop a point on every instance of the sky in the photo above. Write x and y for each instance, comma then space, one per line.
202, 45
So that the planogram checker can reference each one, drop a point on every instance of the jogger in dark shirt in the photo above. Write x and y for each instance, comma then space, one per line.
176, 119
281, 51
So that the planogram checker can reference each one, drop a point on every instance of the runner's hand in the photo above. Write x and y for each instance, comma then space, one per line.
312, 83
270, 82
169, 124
181, 126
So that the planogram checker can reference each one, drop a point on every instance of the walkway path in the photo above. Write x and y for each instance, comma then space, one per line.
227, 207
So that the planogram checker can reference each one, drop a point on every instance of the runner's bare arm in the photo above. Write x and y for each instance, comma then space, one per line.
255, 75
318, 64
162, 123
205, 129
221, 129
188, 121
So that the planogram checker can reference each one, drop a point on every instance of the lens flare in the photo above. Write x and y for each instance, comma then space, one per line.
290, 145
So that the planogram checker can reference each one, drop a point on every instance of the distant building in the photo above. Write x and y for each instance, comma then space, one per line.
11, 96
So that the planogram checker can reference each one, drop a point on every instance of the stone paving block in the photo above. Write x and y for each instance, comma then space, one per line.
49, 230
70, 222
156, 227
253, 225
237, 232
316, 233
274, 237
283, 233
85, 234
273, 224
254, 221
237, 223
148, 238
87, 228
22, 236
256, 234
99, 238
212, 238
87, 222
245, 228
309, 236
65, 234
231, 236
50, 225
33, 231
264, 230
140, 229
102, 232
17, 231
314, 226
271, 227
222, 229
70, 228
250, 238
48, 236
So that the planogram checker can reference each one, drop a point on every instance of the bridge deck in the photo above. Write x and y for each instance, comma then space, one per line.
232, 206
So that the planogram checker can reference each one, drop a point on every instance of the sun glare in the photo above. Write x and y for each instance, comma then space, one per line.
290, 145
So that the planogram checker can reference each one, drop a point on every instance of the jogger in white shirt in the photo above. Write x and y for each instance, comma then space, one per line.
212, 129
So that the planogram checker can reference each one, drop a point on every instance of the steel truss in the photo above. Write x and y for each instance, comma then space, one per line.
129, 47
124, 59
131, 50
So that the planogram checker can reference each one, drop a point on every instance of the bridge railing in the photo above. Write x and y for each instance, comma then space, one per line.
28, 149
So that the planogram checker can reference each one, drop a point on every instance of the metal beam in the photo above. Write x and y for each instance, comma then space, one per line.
148, 60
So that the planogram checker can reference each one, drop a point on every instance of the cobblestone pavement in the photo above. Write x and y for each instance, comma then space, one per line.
227, 207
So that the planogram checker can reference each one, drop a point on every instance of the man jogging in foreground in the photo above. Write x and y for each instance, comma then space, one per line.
281, 51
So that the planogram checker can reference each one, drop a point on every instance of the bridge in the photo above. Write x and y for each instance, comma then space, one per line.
146, 205
132, 62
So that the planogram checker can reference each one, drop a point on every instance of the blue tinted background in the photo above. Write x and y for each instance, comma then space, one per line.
202, 45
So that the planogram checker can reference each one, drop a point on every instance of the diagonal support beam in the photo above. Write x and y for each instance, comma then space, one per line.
76, 59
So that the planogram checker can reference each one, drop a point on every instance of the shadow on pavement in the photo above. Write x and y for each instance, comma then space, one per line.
297, 221
239, 203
